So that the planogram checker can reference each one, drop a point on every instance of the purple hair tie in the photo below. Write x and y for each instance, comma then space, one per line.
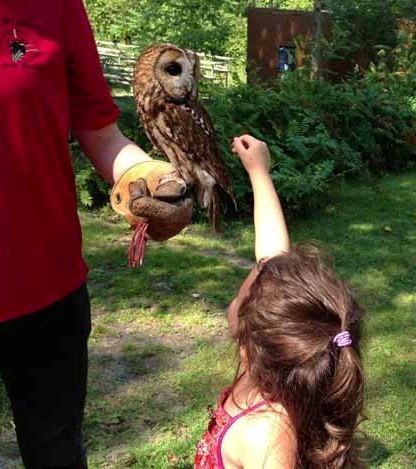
343, 339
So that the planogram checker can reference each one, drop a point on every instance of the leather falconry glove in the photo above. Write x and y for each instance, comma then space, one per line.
153, 199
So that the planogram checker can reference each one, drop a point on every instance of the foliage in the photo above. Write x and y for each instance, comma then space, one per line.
317, 131
398, 65
108, 17
361, 27
194, 24
92, 190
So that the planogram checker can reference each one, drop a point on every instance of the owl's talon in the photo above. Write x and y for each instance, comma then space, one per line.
138, 189
170, 187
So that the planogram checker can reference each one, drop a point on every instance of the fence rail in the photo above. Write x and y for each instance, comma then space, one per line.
118, 62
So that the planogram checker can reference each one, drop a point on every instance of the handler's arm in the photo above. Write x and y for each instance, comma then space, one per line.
271, 233
110, 151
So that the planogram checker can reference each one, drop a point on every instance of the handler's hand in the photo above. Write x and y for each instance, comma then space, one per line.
153, 193
253, 153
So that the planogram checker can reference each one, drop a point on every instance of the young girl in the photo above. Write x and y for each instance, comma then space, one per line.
298, 394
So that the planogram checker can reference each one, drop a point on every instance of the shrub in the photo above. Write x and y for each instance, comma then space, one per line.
92, 190
316, 131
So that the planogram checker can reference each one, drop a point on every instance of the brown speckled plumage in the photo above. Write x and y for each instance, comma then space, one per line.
165, 90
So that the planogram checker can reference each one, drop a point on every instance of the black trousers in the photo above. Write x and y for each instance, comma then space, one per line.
43, 362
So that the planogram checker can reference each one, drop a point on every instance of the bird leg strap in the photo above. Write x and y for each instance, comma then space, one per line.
155, 205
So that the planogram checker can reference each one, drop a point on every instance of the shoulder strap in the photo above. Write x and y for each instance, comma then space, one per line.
229, 424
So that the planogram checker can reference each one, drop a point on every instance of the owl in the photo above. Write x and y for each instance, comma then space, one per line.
165, 85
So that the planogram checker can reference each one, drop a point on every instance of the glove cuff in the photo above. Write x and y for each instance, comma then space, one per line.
120, 195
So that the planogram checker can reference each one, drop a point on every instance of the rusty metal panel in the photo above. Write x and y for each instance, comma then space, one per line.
271, 28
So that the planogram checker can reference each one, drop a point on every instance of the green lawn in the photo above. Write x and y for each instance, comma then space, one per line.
159, 348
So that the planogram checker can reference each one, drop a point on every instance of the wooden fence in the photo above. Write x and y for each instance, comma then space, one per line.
118, 61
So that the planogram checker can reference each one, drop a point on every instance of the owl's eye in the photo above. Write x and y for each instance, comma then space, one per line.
174, 69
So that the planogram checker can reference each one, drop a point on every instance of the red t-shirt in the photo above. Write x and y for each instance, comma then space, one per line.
50, 82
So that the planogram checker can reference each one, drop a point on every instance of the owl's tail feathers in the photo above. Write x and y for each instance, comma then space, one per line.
229, 192
214, 210
219, 205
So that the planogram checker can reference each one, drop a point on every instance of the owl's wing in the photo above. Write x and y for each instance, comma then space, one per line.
189, 129
148, 124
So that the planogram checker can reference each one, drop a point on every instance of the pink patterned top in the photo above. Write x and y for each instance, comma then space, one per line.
208, 452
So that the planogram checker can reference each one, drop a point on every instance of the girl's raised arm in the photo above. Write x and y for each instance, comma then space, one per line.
272, 237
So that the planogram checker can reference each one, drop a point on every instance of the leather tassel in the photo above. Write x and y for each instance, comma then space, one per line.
137, 248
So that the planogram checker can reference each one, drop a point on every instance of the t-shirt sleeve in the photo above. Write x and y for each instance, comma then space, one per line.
90, 102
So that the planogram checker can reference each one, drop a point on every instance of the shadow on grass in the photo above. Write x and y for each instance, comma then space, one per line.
376, 453
167, 275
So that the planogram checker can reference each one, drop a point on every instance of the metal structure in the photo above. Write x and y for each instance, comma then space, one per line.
272, 35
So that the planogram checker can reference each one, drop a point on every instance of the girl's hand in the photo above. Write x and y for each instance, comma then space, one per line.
253, 153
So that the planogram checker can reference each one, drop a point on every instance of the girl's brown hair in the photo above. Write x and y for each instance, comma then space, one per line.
286, 326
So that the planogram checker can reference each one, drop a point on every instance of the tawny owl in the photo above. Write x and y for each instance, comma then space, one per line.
166, 91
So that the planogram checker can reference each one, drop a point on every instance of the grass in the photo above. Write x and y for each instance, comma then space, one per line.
159, 348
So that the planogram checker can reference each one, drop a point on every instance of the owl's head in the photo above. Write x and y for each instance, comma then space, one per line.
175, 69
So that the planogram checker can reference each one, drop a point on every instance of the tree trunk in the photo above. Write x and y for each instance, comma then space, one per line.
317, 34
